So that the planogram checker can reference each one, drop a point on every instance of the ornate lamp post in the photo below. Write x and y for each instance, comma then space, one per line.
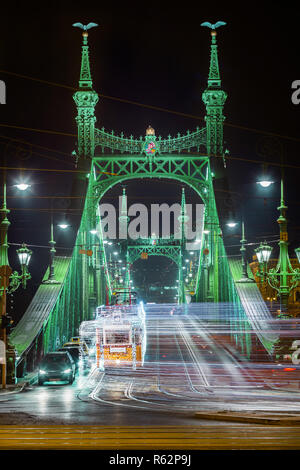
24, 255
9, 282
245, 277
283, 278
51, 278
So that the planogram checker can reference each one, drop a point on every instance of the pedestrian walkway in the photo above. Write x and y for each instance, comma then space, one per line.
39, 309
20, 384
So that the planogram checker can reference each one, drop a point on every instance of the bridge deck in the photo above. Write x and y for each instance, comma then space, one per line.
40, 308
254, 305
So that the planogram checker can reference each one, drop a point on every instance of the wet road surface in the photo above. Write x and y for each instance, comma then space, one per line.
185, 371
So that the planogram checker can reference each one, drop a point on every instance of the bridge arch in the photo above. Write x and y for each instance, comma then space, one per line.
100, 188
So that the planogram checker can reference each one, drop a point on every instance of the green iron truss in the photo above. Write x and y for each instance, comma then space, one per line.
163, 248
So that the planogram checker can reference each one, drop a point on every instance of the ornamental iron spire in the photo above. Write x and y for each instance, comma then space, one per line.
52, 244
214, 97
86, 99
183, 218
85, 80
123, 217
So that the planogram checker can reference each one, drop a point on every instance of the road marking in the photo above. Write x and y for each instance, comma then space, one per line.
148, 437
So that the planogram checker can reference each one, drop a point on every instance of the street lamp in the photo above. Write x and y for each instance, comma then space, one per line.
265, 183
263, 253
9, 282
231, 224
22, 186
24, 255
283, 278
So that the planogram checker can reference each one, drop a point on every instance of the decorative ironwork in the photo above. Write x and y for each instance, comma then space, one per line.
108, 141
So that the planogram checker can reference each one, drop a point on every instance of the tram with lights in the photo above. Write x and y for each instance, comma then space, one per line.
118, 335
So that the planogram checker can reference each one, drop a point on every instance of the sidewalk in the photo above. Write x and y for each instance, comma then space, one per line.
255, 417
21, 383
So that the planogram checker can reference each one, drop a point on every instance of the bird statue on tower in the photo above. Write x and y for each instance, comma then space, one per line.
85, 27
213, 26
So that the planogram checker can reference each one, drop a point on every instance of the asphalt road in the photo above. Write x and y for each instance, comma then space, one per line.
185, 371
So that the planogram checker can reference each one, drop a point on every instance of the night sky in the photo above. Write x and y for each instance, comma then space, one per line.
155, 55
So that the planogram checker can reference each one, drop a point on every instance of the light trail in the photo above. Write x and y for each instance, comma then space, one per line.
189, 348
186, 360
233, 367
159, 369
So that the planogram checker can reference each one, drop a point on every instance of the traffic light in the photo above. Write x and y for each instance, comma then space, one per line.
6, 321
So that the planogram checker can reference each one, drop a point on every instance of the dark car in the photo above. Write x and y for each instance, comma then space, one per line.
74, 353
78, 353
57, 366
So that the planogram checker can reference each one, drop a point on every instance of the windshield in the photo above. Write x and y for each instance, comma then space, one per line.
117, 337
74, 352
56, 359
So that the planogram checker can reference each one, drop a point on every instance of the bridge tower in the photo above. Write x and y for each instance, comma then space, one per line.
214, 99
86, 99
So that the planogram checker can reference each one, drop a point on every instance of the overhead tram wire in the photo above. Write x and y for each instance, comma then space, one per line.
44, 131
15, 141
53, 170
149, 198
155, 108
49, 158
174, 183
228, 157
98, 244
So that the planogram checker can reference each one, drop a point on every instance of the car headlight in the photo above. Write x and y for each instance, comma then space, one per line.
67, 371
41, 371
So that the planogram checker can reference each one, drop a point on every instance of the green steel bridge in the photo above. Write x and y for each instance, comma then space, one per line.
87, 278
